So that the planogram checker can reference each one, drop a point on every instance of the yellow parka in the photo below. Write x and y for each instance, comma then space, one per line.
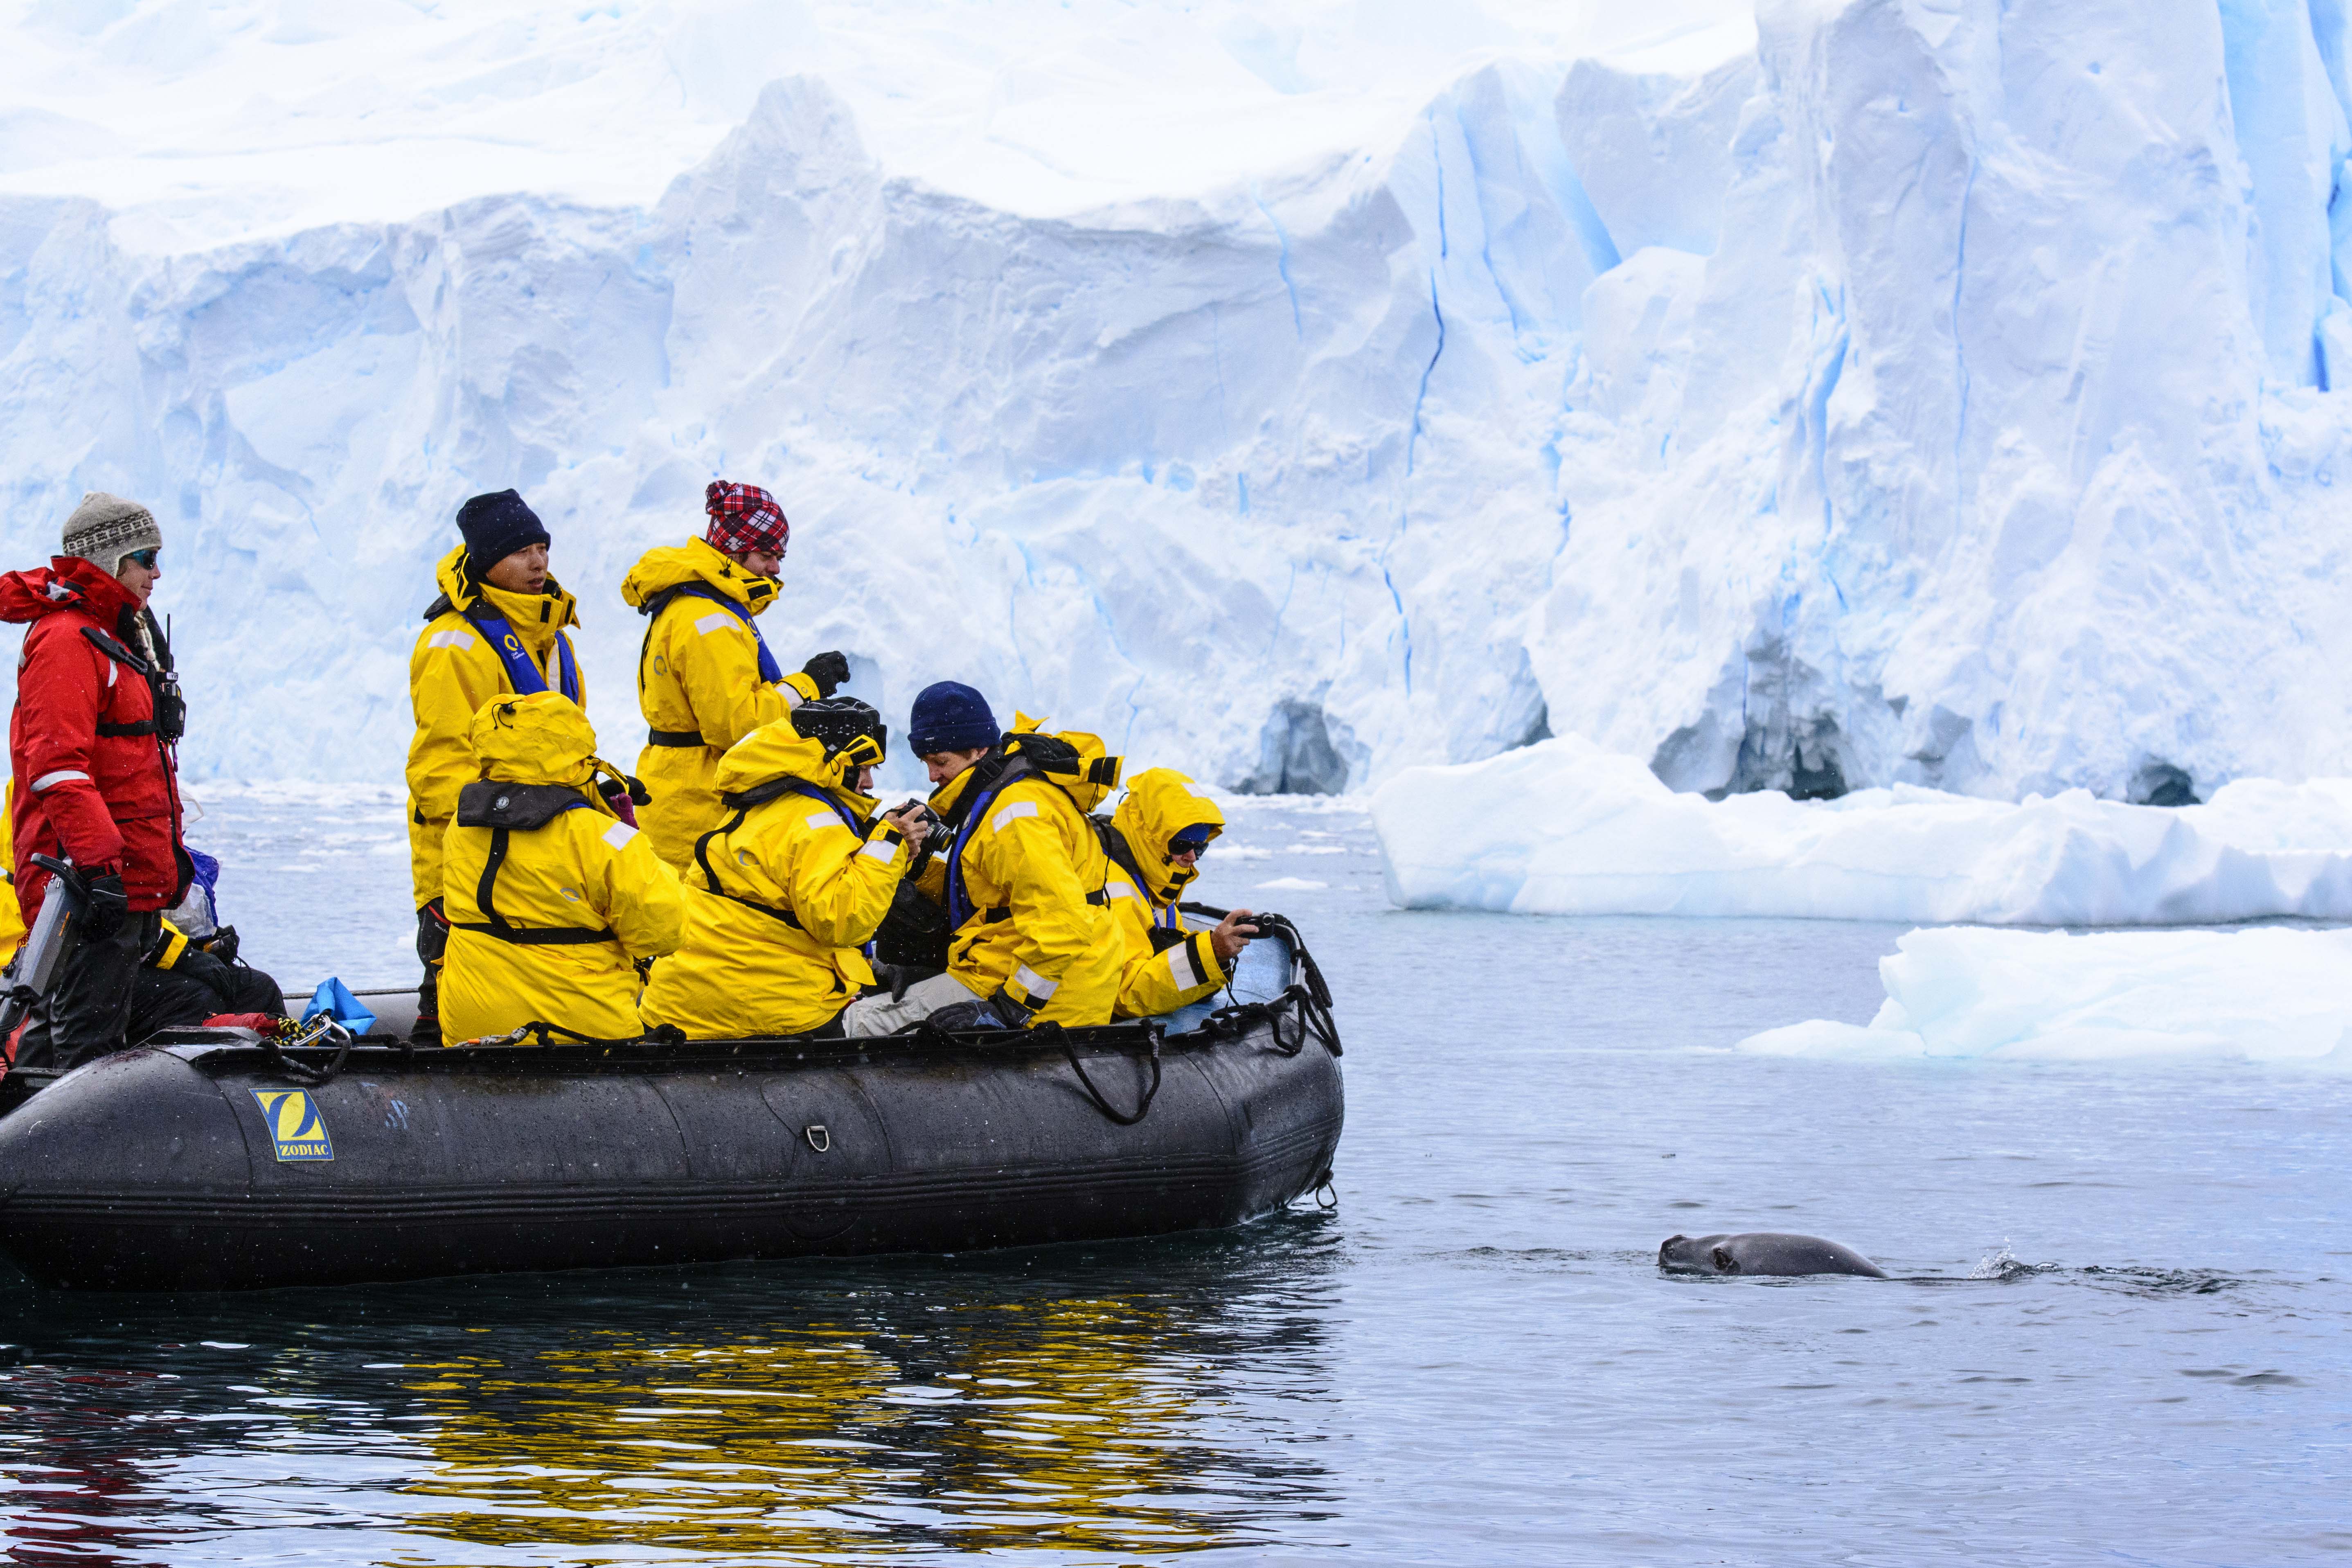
745, 970
12, 913
1033, 872
1166, 967
452, 672
699, 673
569, 867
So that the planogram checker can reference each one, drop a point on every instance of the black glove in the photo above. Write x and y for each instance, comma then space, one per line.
107, 908
221, 944
895, 978
828, 670
431, 934
958, 1015
1009, 1015
215, 975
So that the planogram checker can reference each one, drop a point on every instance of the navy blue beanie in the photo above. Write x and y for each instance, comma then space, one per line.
950, 717
496, 526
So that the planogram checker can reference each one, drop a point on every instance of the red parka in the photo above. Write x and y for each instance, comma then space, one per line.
94, 782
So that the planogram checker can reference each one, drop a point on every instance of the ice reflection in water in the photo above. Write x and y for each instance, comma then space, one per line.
1173, 1401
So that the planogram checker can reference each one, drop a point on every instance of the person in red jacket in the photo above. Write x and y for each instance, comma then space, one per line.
90, 745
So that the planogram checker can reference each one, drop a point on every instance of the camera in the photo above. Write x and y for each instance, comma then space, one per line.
937, 835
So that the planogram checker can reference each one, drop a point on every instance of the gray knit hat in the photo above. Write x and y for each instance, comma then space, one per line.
104, 529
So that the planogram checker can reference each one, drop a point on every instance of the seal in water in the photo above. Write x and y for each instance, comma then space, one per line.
1762, 1252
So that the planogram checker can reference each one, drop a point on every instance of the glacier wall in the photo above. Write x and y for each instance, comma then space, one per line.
1990, 448
1934, 393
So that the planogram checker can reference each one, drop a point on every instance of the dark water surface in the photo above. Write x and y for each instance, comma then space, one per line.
2125, 1339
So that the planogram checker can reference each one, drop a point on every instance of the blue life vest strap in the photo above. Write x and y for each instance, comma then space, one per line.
849, 818
522, 671
960, 905
769, 672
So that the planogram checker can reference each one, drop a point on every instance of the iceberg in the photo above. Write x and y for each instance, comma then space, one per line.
1822, 394
2270, 994
1563, 827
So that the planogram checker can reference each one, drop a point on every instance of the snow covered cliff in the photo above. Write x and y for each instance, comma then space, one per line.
1886, 391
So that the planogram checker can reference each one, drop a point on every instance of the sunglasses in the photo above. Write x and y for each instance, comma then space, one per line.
1188, 846
145, 558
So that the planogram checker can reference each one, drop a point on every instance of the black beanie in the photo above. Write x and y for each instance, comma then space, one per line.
496, 526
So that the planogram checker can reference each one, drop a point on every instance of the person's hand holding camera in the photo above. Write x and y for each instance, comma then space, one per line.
1233, 934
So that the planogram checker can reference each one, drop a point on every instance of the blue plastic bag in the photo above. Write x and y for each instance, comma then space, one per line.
208, 877
335, 1000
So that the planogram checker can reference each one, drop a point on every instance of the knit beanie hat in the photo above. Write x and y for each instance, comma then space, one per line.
744, 518
104, 529
496, 526
950, 717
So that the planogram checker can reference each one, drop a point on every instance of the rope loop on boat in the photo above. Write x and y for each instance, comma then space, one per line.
1307, 991
544, 1033
1151, 1092
322, 1030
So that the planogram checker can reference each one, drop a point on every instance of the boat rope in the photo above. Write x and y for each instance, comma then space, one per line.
322, 1030
1151, 1092
1307, 991
544, 1033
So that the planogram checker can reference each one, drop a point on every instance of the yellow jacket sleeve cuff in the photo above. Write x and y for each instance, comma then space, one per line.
802, 687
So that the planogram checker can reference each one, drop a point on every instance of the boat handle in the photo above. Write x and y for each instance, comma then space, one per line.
818, 1138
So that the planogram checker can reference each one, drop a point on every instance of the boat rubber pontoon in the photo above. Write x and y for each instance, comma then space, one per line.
217, 1159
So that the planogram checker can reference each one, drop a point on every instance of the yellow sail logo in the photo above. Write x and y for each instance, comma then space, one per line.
294, 1124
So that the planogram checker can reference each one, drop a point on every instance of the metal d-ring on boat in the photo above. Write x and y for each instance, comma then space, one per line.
216, 1160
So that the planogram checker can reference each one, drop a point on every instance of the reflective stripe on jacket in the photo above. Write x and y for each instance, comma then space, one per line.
1028, 866
779, 900
452, 672
698, 673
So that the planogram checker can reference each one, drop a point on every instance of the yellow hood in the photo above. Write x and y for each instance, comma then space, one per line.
944, 798
536, 618
1097, 773
698, 562
776, 751
538, 739
1160, 803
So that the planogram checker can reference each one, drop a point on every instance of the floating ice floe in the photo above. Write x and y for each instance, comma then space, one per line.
1563, 827
2270, 994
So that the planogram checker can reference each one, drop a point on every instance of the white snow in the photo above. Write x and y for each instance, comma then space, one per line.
1563, 828
2270, 994
1834, 390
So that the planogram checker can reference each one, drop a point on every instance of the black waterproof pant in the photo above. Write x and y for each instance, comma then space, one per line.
88, 1012
432, 942
172, 999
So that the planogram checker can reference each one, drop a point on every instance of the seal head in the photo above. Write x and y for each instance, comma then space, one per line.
1762, 1252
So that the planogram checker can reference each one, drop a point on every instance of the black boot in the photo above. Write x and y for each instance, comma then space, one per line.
432, 942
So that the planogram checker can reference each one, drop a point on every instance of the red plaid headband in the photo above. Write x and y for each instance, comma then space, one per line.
744, 518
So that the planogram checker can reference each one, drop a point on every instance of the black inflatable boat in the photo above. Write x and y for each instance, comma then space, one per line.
218, 1160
